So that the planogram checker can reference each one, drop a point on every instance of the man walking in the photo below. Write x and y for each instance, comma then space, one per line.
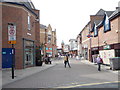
66, 61
99, 62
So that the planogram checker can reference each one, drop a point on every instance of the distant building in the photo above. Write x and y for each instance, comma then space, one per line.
48, 40
43, 38
66, 49
73, 46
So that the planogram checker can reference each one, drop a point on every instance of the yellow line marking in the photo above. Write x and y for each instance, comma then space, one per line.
87, 84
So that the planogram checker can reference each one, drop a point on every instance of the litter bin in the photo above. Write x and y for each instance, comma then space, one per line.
115, 63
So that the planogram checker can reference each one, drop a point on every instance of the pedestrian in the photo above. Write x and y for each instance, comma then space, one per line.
66, 61
46, 59
99, 62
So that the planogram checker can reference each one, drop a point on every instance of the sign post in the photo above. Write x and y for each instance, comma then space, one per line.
89, 36
12, 40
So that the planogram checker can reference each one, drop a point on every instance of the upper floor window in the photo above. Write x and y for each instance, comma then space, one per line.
106, 23
49, 38
29, 23
95, 30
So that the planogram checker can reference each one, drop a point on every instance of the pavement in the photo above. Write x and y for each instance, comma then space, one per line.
20, 74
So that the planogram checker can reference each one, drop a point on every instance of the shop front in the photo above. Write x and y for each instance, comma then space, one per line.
95, 52
49, 51
29, 56
109, 51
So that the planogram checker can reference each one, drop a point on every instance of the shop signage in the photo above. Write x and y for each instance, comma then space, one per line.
95, 48
106, 47
89, 35
11, 33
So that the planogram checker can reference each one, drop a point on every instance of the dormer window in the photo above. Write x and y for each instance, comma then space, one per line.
95, 30
106, 23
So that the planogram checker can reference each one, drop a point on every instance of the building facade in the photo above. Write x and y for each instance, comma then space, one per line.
73, 47
25, 19
0, 37
101, 36
48, 40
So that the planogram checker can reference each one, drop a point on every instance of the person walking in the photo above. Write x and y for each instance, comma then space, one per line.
99, 62
66, 61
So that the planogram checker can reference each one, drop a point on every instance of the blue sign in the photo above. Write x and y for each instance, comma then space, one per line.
40, 48
46, 48
50, 48
7, 57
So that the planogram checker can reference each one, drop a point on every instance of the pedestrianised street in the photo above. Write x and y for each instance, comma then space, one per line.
80, 75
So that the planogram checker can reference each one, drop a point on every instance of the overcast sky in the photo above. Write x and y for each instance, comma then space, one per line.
69, 17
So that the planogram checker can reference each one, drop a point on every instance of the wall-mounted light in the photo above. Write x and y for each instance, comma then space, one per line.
116, 31
105, 42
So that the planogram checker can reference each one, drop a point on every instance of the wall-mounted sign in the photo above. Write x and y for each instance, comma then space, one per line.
96, 48
11, 33
106, 47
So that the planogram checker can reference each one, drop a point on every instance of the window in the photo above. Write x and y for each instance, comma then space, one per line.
106, 23
95, 30
117, 53
29, 24
49, 38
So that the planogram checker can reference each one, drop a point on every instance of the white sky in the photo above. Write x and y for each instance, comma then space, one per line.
69, 17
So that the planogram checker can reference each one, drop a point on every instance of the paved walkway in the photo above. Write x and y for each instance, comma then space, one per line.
104, 67
20, 74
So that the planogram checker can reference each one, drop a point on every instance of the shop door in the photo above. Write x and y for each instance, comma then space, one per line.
7, 57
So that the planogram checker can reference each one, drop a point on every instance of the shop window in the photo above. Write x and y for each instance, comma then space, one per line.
28, 52
117, 53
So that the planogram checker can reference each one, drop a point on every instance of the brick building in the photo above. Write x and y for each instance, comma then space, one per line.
48, 40
104, 29
25, 18
0, 35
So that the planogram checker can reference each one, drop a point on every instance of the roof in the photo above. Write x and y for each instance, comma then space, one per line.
115, 13
43, 26
97, 21
72, 40
26, 3
102, 12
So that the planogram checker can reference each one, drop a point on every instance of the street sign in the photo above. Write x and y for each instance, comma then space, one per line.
89, 35
11, 42
12, 33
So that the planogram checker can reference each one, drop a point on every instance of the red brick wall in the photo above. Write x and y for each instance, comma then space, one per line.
0, 36
12, 14
37, 29
19, 16
111, 37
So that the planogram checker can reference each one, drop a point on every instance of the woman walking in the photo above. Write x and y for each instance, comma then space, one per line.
66, 61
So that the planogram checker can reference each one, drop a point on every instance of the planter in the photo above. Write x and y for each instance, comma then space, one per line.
115, 63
